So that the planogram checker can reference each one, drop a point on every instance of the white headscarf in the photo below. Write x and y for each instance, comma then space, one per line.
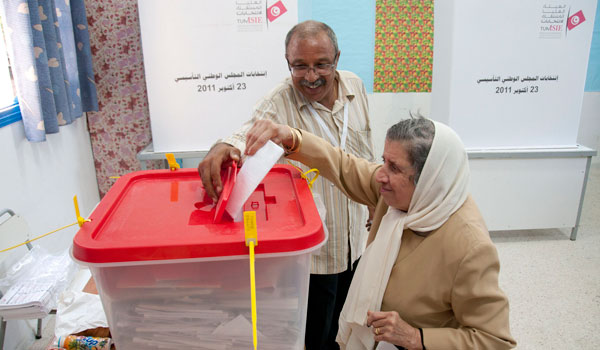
440, 191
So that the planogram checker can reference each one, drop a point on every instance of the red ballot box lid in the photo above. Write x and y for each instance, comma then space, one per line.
166, 215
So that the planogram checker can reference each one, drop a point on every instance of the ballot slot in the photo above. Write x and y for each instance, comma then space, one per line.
260, 202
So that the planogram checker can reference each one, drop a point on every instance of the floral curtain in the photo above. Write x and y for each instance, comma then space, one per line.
121, 128
49, 48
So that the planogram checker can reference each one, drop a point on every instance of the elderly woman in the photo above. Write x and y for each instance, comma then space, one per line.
429, 276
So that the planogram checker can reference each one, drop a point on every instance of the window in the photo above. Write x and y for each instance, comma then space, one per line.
9, 105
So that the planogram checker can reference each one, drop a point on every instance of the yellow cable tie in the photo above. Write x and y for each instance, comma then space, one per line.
314, 178
80, 220
251, 240
304, 175
173, 165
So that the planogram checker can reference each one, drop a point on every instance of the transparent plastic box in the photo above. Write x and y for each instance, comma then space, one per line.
171, 278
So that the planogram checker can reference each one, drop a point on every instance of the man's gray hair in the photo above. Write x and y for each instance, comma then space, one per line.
417, 135
311, 28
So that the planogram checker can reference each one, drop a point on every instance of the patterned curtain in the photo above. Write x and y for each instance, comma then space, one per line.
49, 48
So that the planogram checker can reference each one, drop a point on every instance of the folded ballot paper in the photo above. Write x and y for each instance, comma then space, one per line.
255, 168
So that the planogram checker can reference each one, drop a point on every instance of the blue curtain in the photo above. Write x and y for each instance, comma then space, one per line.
49, 49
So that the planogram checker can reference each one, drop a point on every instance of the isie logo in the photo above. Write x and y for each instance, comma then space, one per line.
254, 13
556, 21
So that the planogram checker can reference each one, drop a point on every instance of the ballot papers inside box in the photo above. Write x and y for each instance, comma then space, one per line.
170, 277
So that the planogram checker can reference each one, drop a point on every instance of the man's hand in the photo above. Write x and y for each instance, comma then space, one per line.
220, 156
389, 327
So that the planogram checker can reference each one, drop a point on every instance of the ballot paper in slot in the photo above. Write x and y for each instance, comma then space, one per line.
251, 174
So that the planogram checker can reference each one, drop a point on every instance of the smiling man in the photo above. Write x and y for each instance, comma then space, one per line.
312, 58
332, 104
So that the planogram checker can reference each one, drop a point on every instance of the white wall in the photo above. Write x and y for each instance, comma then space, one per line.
38, 182
387, 109
589, 125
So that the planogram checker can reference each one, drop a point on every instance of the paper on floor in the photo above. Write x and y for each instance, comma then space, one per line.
78, 311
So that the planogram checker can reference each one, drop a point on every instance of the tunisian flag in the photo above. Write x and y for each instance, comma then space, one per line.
275, 10
575, 20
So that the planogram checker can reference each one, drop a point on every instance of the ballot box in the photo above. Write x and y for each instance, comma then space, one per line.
171, 276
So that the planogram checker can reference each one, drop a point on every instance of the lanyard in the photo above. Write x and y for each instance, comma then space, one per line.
333, 140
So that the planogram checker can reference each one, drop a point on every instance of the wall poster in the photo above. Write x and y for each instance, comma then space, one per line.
511, 74
403, 46
207, 63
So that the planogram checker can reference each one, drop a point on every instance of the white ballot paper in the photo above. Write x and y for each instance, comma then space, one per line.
255, 168
238, 327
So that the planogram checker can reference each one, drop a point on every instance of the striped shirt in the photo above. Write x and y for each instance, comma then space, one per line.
345, 219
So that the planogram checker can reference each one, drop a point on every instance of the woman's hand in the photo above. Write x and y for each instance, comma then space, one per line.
389, 327
264, 130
